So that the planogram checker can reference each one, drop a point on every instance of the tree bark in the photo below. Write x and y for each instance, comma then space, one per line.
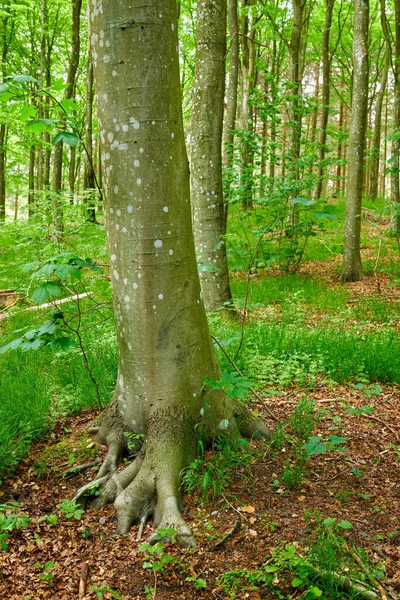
164, 344
205, 155
68, 93
352, 267
31, 181
231, 95
3, 127
88, 175
326, 71
248, 72
394, 161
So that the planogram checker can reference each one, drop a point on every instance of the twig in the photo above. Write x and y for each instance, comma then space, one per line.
56, 303
78, 469
396, 435
252, 390
368, 573
233, 530
231, 505
83, 580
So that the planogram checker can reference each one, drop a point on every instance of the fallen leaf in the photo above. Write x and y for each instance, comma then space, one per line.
248, 509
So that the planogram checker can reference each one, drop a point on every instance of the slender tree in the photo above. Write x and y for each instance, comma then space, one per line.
395, 162
326, 70
352, 267
164, 345
205, 155
3, 126
68, 93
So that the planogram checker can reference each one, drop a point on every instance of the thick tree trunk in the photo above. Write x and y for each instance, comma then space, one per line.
326, 70
205, 155
164, 344
352, 268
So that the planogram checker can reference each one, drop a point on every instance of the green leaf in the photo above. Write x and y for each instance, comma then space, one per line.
326, 215
12, 345
329, 521
345, 524
336, 440
302, 201
62, 343
296, 581
39, 125
46, 291
23, 78
26, 112
66, 136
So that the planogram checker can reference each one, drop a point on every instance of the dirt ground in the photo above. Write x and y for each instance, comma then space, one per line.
256, 514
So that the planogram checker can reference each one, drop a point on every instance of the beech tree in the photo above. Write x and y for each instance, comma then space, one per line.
164, 344
352, 267
206, 153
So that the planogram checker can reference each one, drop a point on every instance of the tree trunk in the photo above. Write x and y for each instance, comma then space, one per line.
384, 158
205, 155
376, 140
164, 344
231, 95
394, 161
314, 119
31, 181
295, 53
352, 268
88, 175
3, 127
68, 93
248, 64
326, 71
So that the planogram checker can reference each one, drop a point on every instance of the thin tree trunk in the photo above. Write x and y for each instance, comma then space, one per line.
314, 120
206, 159
3, 127
88, 175
31, 181
384, 159
395, 163
352, 267
247, 41
68, 93
230, 94
326, 71
16, 203
376, 140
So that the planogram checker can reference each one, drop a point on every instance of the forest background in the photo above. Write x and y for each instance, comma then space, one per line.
295, 201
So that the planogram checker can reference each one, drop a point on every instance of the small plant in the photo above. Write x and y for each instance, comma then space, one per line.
133, 439
318, 445
235, 386
100, 589
71, 509
10, 520
199, 584
211, 477
50, 519
46, 576
155, 557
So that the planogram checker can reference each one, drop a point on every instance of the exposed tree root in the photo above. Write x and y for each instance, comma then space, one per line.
150, 485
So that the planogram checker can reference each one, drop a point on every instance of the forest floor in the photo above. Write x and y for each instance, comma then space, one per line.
254, 541
326, 525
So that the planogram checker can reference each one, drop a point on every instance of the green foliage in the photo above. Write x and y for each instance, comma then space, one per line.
155, 557
46, 575
210, 478
100, 589
231, 383
199, 584
70, 509
9, 521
